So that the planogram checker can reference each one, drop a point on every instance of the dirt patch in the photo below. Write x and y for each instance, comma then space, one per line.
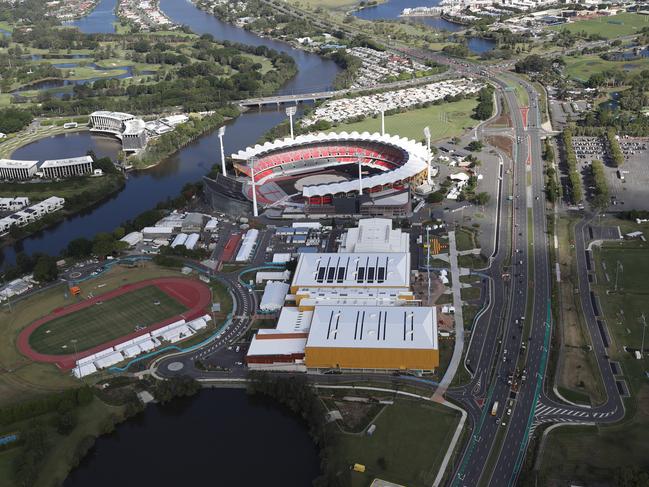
501, 142
445, 322
501, 121
357, 415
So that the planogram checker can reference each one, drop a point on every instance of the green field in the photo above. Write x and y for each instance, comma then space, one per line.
410, 437
608, 27
445, 120
588, 454
103, 322
582, 67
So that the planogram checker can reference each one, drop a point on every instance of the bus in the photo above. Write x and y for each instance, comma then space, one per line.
494, 408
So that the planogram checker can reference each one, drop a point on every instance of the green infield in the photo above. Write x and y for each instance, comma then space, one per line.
608, 27
104, 321
445, 120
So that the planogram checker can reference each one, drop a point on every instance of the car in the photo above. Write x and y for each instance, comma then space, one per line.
237, 349
509, 412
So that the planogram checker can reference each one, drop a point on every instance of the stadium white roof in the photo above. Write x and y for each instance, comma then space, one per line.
415, 164
375, 235
14, 164
72, 161
358, 296
353, 270
402, 327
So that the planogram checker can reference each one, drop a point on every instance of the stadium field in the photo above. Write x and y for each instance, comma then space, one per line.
104, 321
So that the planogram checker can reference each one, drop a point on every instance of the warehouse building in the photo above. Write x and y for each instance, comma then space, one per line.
373, 338
273, 297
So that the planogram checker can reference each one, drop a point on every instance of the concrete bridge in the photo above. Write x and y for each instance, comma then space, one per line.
281, 99
322, 95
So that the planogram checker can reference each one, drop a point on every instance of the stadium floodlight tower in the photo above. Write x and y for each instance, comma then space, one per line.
290, 111
221, 134
360, 173
382, 110
427, 135
251, 164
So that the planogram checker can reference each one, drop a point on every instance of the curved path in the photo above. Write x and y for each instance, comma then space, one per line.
193, 294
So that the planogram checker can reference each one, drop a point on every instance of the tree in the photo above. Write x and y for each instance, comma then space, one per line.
79, 248
475, 146
66, 422
482, 198
45, 269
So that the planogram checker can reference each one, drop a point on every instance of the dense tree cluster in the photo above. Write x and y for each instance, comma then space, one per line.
601, 194
13, 120
485, 107
574, 177
617, 156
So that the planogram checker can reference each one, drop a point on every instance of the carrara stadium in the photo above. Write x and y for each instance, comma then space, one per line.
330, 174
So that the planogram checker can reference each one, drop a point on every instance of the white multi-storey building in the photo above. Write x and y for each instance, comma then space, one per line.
17, 170
126, 127
64, 168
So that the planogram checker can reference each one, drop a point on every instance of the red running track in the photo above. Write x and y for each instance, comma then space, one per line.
194, 295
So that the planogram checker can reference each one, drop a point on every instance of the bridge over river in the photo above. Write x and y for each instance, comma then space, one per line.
323, 95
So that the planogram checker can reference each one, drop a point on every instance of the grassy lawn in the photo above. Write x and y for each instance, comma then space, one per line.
410, 436
445, 120
582, 67
6, 26
105, 321
328, 4
22, 379
521, 94
465, 239
63, 189
589, 454
61, 455
623, 24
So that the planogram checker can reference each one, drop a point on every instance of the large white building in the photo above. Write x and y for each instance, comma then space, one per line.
12, 170
340, 270
64, 168
375, 235
126, 127
373, 337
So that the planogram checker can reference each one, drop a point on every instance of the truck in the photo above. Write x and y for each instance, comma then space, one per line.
494, 408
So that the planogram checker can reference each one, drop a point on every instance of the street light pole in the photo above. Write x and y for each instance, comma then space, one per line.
221, 134
251, 164
428, 260
290, 111
427, 135
644, 328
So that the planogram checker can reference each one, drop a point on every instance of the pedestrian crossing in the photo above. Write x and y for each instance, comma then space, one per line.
543, 410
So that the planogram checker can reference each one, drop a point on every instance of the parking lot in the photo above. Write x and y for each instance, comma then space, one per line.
628, 184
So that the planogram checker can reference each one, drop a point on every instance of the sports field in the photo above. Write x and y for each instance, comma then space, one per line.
104, 321
445, 120
623, 24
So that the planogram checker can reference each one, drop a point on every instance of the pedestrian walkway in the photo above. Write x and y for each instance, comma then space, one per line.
438, 396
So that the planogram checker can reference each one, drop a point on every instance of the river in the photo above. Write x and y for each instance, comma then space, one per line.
144, 189
391, 10
219, 437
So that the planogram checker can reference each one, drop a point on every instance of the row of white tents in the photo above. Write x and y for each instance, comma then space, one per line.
172, 333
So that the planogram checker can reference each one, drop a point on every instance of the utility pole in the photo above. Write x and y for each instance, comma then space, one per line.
221, 134
290, 111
